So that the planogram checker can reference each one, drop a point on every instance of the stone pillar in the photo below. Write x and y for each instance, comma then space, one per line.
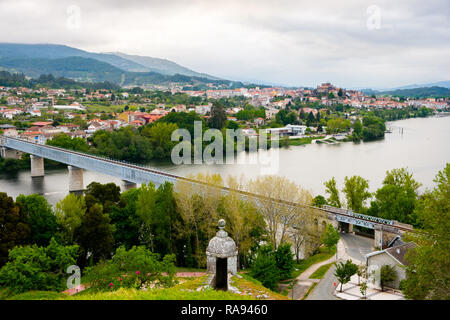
127, 185
37, 166
75, 179
350, 228
378, 237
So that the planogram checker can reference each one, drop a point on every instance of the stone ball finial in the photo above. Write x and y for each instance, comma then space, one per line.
222, 224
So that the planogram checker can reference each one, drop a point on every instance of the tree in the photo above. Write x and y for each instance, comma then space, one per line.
330, 237
398, 197
218, 116
106, 194
38, 268
125, 220
344, 271
245, 223
40, 217
356, 192
357, 128
62, 140
279, 217
387, 275
69, 212
14, 229
94, 235
284, 260
264, 267
160, 137
319, 201
197, 205
428, 269
363, 289
332, 190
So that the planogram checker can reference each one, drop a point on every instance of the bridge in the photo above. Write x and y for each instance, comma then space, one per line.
134, 174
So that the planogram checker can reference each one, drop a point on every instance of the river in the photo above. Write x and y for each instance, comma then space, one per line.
420, 144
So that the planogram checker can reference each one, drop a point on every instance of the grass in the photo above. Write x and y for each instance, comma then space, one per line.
301, 141
186, 289
309, 290
324, 254
320, 272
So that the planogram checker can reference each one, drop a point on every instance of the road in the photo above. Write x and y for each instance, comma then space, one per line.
356, 248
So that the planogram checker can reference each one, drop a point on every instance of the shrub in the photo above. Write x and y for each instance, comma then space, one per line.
38, 268
136, 268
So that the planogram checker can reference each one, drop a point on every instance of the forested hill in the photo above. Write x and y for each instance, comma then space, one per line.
19, 80
423, 92
63, 61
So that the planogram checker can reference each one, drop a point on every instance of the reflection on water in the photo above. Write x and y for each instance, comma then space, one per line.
419, 144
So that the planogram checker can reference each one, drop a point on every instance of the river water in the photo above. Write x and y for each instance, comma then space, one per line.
421, 144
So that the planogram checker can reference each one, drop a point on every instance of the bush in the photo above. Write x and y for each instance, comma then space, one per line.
136, 268
38, 268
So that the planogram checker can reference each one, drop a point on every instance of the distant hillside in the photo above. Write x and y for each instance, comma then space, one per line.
121, 61
92, 70
444, 84
19, 80
162, 66
419, 92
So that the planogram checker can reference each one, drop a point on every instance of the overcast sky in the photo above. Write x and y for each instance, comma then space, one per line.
355, 43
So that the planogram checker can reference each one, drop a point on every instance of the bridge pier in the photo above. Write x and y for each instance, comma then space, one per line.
37, 166
75, 179
127, 185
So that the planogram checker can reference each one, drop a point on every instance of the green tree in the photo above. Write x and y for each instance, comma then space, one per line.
64, 141
356, 192
332, 190
160, 135
218, 116
14, 229
69, 212
398, 197
95, 235
428, 269
387, 275
357, 128
125, 221
344, 271
319, 201
330, 237
264, 267
40, 217
106, 194
38, 268
284, 260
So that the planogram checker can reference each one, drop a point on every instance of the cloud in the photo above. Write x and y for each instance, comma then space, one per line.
291, 42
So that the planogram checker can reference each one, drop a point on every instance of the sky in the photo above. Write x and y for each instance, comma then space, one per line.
352, 44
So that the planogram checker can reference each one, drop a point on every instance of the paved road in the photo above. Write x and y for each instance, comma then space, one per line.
356, 247
324, 289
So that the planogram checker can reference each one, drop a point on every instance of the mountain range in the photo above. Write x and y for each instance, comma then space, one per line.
64, 61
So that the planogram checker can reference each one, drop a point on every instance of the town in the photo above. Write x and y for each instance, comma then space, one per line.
38, 114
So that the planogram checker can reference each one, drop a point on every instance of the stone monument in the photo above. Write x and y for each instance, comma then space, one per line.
221, 257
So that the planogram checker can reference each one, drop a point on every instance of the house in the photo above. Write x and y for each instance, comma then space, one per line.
203, 109
394, 256
9, 130
297, 130
259, 121
33, 136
